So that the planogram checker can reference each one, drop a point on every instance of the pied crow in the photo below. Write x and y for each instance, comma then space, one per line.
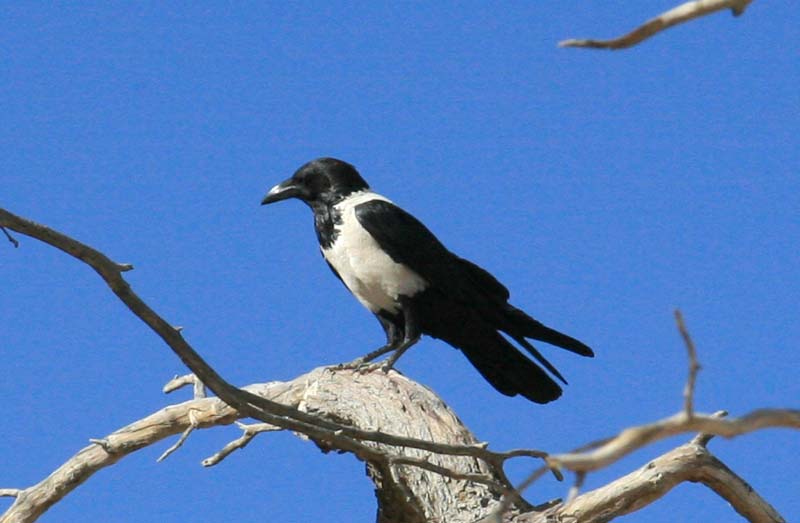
404, 275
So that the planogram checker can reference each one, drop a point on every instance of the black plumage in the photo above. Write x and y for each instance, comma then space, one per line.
400, 271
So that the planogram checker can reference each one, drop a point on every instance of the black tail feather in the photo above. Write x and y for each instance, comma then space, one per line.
508, 371
541, 359
523, 325
475, 328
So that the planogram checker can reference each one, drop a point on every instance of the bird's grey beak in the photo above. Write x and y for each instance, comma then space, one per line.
282, 191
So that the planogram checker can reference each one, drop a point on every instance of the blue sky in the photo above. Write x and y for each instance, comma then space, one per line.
605, 189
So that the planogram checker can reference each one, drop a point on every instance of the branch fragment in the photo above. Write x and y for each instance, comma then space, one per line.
694, 366
678, 15
193, 424
10, 492
187, 379
248, 433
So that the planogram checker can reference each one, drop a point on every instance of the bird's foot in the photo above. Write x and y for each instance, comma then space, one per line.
386, 365
360, 365
365, 366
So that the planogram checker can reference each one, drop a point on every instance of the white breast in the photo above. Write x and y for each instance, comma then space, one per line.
370, 274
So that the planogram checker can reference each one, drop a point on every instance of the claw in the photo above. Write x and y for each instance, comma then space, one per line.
359, 365
362, 366
356, 363
386, 365
366, 368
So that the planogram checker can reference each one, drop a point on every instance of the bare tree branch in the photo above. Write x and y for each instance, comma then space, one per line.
678, 15
323, 389
35, 500
343, 437
407, 453
634, 438
601, 453
689, 462
437, 485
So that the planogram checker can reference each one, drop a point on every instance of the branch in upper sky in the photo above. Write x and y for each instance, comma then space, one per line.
678, 15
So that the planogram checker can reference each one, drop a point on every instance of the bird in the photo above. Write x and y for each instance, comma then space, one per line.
400, 271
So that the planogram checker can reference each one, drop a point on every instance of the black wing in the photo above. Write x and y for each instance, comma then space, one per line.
475, 294
407, 241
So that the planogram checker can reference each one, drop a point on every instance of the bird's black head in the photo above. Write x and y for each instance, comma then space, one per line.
323, 181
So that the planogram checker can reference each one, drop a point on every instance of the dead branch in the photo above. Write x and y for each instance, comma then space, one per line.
634, 438
343, 437
412, 445
433, 485
694, 365
193, 424
248, 433
689, 462
444, 482
601, 453
678, 15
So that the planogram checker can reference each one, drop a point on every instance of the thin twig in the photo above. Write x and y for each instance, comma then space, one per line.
541, 471
248, 433
678, 15
507, 500
13, 240
193, 424
694, 366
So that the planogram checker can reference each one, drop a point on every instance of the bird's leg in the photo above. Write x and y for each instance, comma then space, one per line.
394, 338
389, 347
399, 338
411, 334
